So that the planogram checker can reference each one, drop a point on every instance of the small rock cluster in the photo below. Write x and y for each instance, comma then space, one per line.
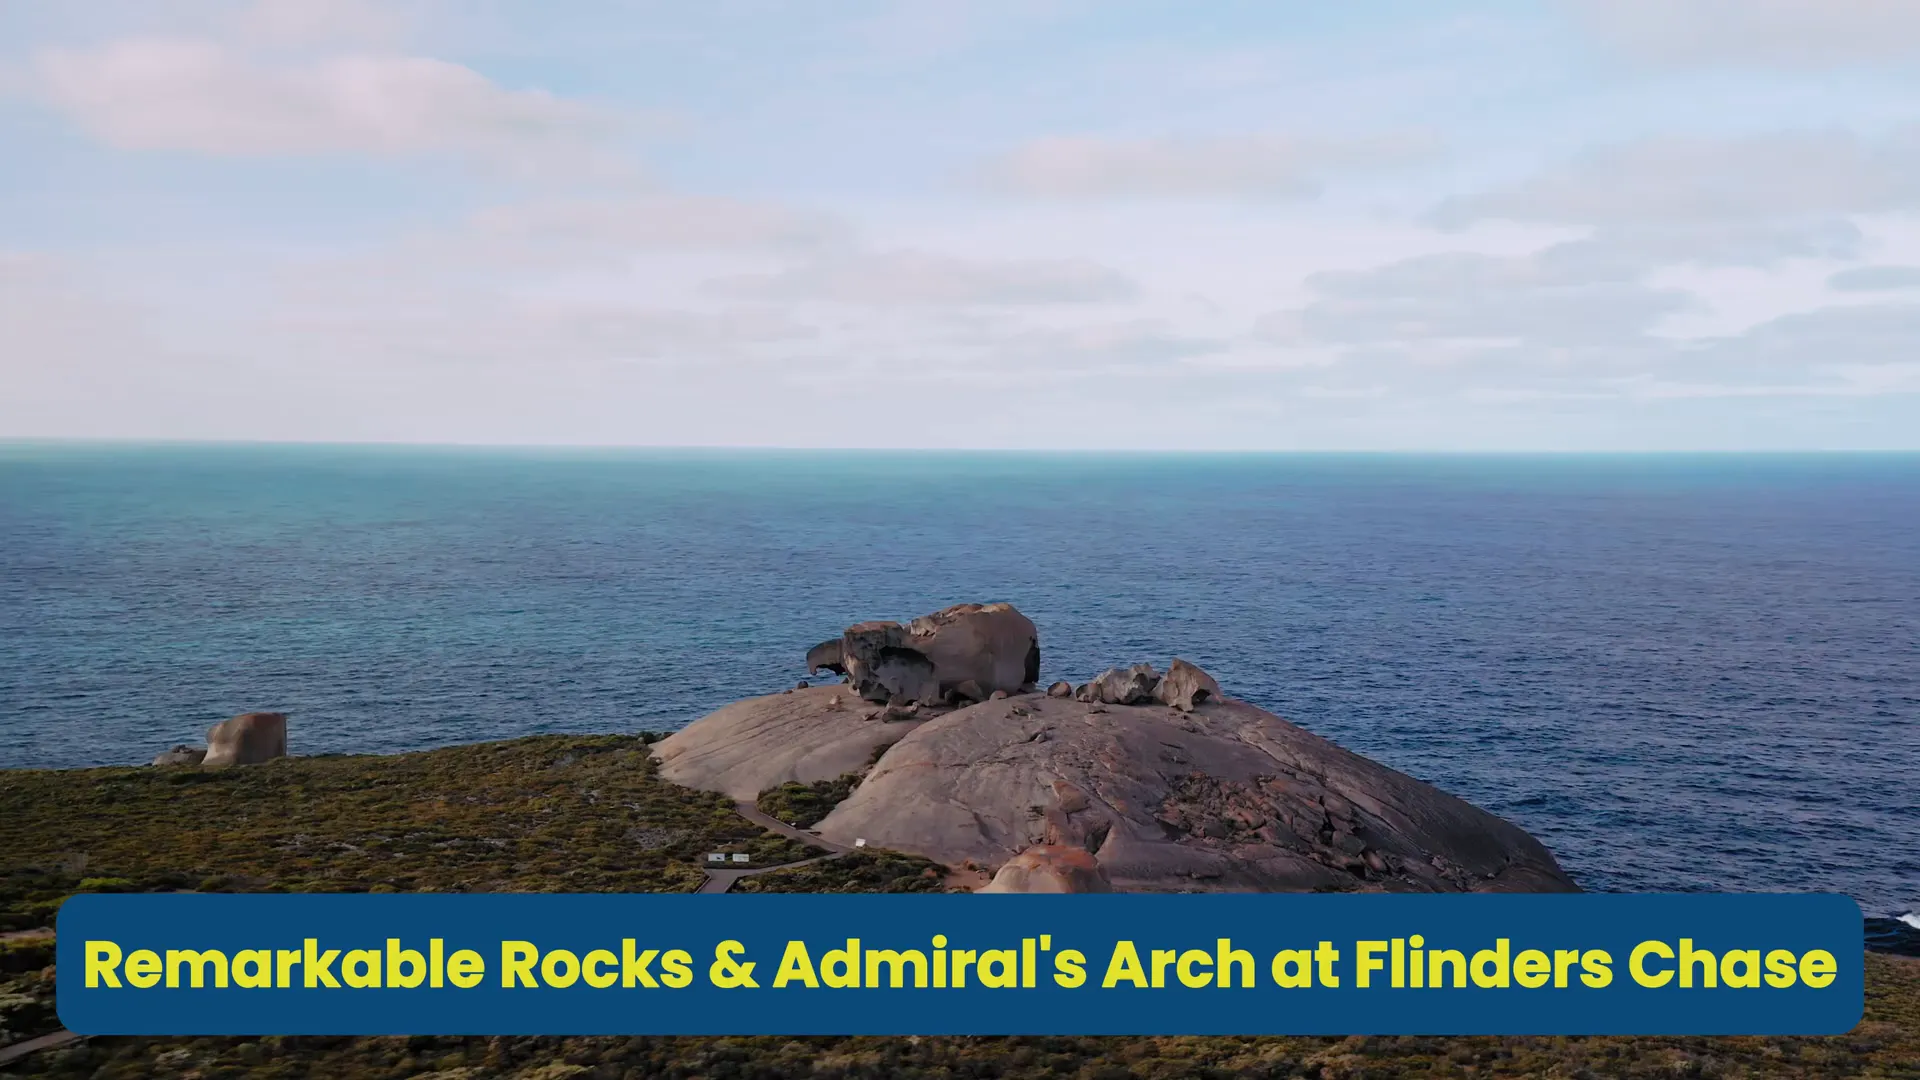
1183, 687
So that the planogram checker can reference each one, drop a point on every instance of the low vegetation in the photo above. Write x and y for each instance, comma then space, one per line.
568, 813
544, 814
859, 872
803, 805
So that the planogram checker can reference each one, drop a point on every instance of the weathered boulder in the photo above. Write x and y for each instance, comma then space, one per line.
247, 739
1225, 798
1116, 686
1061, 689
992, 646
182, 755
826, 657
1185, 686
752, 745
1050, 868
885, 668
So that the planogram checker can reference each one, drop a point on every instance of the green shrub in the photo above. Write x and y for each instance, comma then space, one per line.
803, 805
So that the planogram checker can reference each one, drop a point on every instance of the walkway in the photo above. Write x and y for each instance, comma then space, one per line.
14, 1052
719, 881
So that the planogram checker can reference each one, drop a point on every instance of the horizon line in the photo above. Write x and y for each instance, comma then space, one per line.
377, 444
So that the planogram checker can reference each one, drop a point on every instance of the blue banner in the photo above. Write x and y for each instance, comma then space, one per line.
1240, 964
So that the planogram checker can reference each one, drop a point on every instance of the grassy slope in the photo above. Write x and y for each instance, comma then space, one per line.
587, 814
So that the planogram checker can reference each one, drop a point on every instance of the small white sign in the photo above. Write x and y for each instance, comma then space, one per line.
859, 843
742, 857
715, 856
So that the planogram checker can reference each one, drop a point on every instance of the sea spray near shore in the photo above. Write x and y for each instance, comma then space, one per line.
1565, 642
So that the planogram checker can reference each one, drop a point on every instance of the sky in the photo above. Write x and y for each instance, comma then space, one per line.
1569, 225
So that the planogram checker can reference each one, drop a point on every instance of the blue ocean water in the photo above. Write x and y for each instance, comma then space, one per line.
1681, 673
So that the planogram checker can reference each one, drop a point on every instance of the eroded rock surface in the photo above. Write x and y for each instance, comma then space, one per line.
992, 646
966, 652
1121, 686
1185, 686
826, 657
1227, 797
247, 739
799, 735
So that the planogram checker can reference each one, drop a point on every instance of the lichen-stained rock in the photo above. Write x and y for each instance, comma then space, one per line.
1185, 686
1122, 686
749, 746
992, 646
1226, 798
1050, 868
247, 739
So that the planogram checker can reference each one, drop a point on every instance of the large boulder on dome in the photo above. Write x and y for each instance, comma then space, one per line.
991, 646
247, 739
803, 736
968, 651
1227, 797
1050, 868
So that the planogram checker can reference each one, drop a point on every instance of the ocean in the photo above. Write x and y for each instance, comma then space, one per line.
1680, 673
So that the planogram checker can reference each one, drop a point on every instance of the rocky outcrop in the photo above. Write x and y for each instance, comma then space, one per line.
247, 739
1185, 686
1225, 798
992, 646
1050, 868
883, 668
182, 755
1136, 781
802, 736
1115, 686
966, 652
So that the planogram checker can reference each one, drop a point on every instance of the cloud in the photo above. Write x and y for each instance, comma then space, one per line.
1750, 244
658, 222
324, 22
1846, 334
473, 329
1783, 34
920, 278
160, 94
1675, 180
1572, 294
1875, 279
1253, 166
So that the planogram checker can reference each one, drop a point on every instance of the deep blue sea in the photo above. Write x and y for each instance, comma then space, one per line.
1681, 673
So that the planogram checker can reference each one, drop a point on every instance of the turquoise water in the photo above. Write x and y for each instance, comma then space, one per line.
1680, 673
